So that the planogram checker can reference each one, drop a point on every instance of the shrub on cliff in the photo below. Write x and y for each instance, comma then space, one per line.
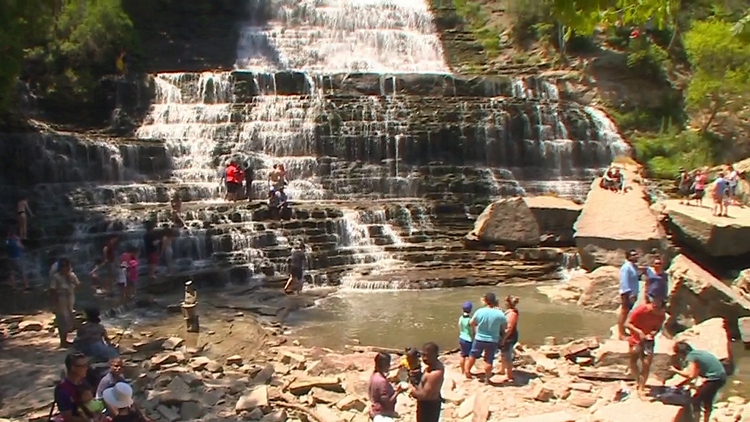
62, 48
720, 82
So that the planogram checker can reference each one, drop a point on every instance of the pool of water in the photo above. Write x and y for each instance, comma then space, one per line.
409, 318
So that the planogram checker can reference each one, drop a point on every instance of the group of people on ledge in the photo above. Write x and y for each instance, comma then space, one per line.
692, 188
613, 180
640, 323
238, 182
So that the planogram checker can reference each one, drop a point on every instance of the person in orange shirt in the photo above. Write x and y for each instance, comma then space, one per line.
644, 323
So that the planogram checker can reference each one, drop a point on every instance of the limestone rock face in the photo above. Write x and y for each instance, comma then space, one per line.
556, 218
508, 222
610, 224
714, 236
698, 295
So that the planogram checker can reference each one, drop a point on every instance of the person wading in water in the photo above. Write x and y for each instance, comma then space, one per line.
427, 393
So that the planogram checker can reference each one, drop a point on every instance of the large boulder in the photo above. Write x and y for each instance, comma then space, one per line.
712, 336
556, 217
507, 222
741, 284
714, 236
630, 410
610, 224
598, 289
696, 295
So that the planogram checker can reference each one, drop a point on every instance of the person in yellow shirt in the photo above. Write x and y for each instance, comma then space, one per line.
121, 63
412, 365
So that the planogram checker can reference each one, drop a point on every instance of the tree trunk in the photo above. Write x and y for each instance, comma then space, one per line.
714, 111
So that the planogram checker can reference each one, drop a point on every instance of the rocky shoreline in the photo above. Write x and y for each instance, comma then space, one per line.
276, 379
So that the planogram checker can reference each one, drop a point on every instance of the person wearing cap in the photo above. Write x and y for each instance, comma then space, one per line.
489, 325
465, 333
120, 404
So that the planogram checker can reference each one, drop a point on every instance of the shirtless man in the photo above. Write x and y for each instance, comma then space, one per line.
176, 204
274, 177
428, 391
23, 209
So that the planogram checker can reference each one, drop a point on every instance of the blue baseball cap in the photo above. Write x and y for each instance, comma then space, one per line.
467, 306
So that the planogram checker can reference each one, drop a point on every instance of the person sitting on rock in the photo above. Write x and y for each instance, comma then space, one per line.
644, 323
412, 366
66, 392
279, 203
120, 404
113, 376
700, 364
92, 339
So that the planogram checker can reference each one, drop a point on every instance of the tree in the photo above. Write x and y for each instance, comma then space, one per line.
721, 70
584, 16
743, 25
18, 23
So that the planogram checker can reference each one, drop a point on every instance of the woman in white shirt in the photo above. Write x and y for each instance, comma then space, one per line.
732, 179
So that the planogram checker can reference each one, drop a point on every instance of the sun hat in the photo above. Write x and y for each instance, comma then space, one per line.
467, 306
119, 396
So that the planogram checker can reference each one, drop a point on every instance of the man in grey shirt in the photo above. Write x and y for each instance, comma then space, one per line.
297, 262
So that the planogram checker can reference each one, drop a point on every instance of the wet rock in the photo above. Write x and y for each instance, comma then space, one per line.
304, 385
579, 348
191, 410
168, 413
28, 325
712, 336
257, 397
324, 396
646, 411
275, 416
555, 217
234, 360
541, 392
166, 358
697, 295
713, 236
610, 224
546, 417
172, 343
508, 222
265, 375
582, 399
351, 403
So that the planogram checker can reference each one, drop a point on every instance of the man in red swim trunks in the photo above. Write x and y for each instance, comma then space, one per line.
644, 323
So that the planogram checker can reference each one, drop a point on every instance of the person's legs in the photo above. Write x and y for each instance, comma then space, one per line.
646, 355
634, 356
153, 260
704, 397
22, 226
507, 358
428, 410
626, 304
64, 318
474, 354
465, 348
490, 350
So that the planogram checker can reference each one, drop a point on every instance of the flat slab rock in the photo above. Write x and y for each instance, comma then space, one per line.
546, 417
715, 236
611, 223
634, 409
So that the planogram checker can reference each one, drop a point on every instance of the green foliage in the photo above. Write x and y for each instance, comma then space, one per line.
18, 23
665, 152
649, 58
721, 70
486, 32
63, 48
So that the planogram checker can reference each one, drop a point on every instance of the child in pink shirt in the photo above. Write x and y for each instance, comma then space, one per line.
128, 273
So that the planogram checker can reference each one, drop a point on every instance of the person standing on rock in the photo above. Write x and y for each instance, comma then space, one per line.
656, 282
381, 393
684, 182
629, 286
62, 294
489, 325
24, 212
249, 177
297, 262
429, 401
699, 187
705, 365
465, 334
719, 195
151, 243
107, 266
733, 179
510, 338
644, 323
14, 249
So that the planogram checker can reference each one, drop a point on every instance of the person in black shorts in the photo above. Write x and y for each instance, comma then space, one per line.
700, 363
